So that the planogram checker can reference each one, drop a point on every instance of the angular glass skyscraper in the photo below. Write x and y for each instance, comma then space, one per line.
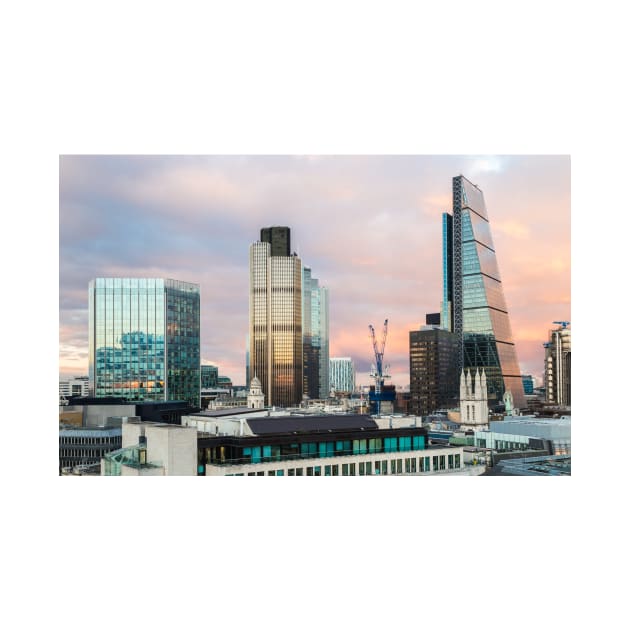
275, 318
474, 306
144, 341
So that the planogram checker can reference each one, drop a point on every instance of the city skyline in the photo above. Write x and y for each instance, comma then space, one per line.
369, 225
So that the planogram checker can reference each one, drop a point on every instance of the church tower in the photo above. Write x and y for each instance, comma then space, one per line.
255, 397
473, 400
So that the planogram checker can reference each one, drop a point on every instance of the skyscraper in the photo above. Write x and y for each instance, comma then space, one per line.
275, 317
558, 366
474, 306
144, 341
433, 356
315, 336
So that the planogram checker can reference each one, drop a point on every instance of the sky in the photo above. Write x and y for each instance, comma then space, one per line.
368, 226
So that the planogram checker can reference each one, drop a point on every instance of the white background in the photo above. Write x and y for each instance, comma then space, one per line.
324, 77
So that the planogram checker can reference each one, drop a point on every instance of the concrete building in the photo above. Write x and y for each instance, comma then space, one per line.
75, 386
474, 306
153, 449
558, 366
342, 375
83, 447
106, 412
275, 317
144, 340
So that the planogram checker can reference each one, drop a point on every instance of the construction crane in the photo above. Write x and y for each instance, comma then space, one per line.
563, 324
378, 373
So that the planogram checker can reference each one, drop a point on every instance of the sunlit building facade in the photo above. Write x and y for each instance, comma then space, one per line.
275, 318
144, 339
558, 366
474, 306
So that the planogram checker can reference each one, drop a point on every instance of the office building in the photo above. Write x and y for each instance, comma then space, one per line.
342, 375
315, 337
75, 386
83, 447
432, 370
320, 445
275, 318
528, 384
209, 376
144, 339
558, 366
474, 307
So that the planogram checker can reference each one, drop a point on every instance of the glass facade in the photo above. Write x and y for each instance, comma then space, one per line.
275, 329
342, 374
144, 339
479, 315
433, 380
315, 336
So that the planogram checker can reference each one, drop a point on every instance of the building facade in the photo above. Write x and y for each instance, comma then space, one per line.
338, 445
77, 386
209, 376
275, 318
85, 446
342, 375
558, 366
433, 381
528, 384
315, 337
473, 401
144, 339
474, 306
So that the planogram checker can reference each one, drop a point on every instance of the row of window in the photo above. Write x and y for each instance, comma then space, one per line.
256, 454
88, 440
407, 465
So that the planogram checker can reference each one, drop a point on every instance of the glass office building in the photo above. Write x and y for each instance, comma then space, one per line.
144, 341
315, 336
478, 312
275, 319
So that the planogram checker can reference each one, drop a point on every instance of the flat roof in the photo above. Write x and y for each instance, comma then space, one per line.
310, 424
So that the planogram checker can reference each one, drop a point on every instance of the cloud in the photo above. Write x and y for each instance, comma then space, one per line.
369, 227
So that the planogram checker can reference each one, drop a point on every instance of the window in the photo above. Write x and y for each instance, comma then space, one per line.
392, 463
318, 471
450, 461
353, 470
335, 470
418, 442
399, 466
280, 473
368, 468
309, 471
291, 472
299, 472
271, 473
457, 463
344, 470
413, 464
442, 462
361, 468
404, 443
326, 471
407, 464
435, 462
384, 467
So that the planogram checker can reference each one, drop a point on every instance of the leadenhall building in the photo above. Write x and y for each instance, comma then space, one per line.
473, 304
